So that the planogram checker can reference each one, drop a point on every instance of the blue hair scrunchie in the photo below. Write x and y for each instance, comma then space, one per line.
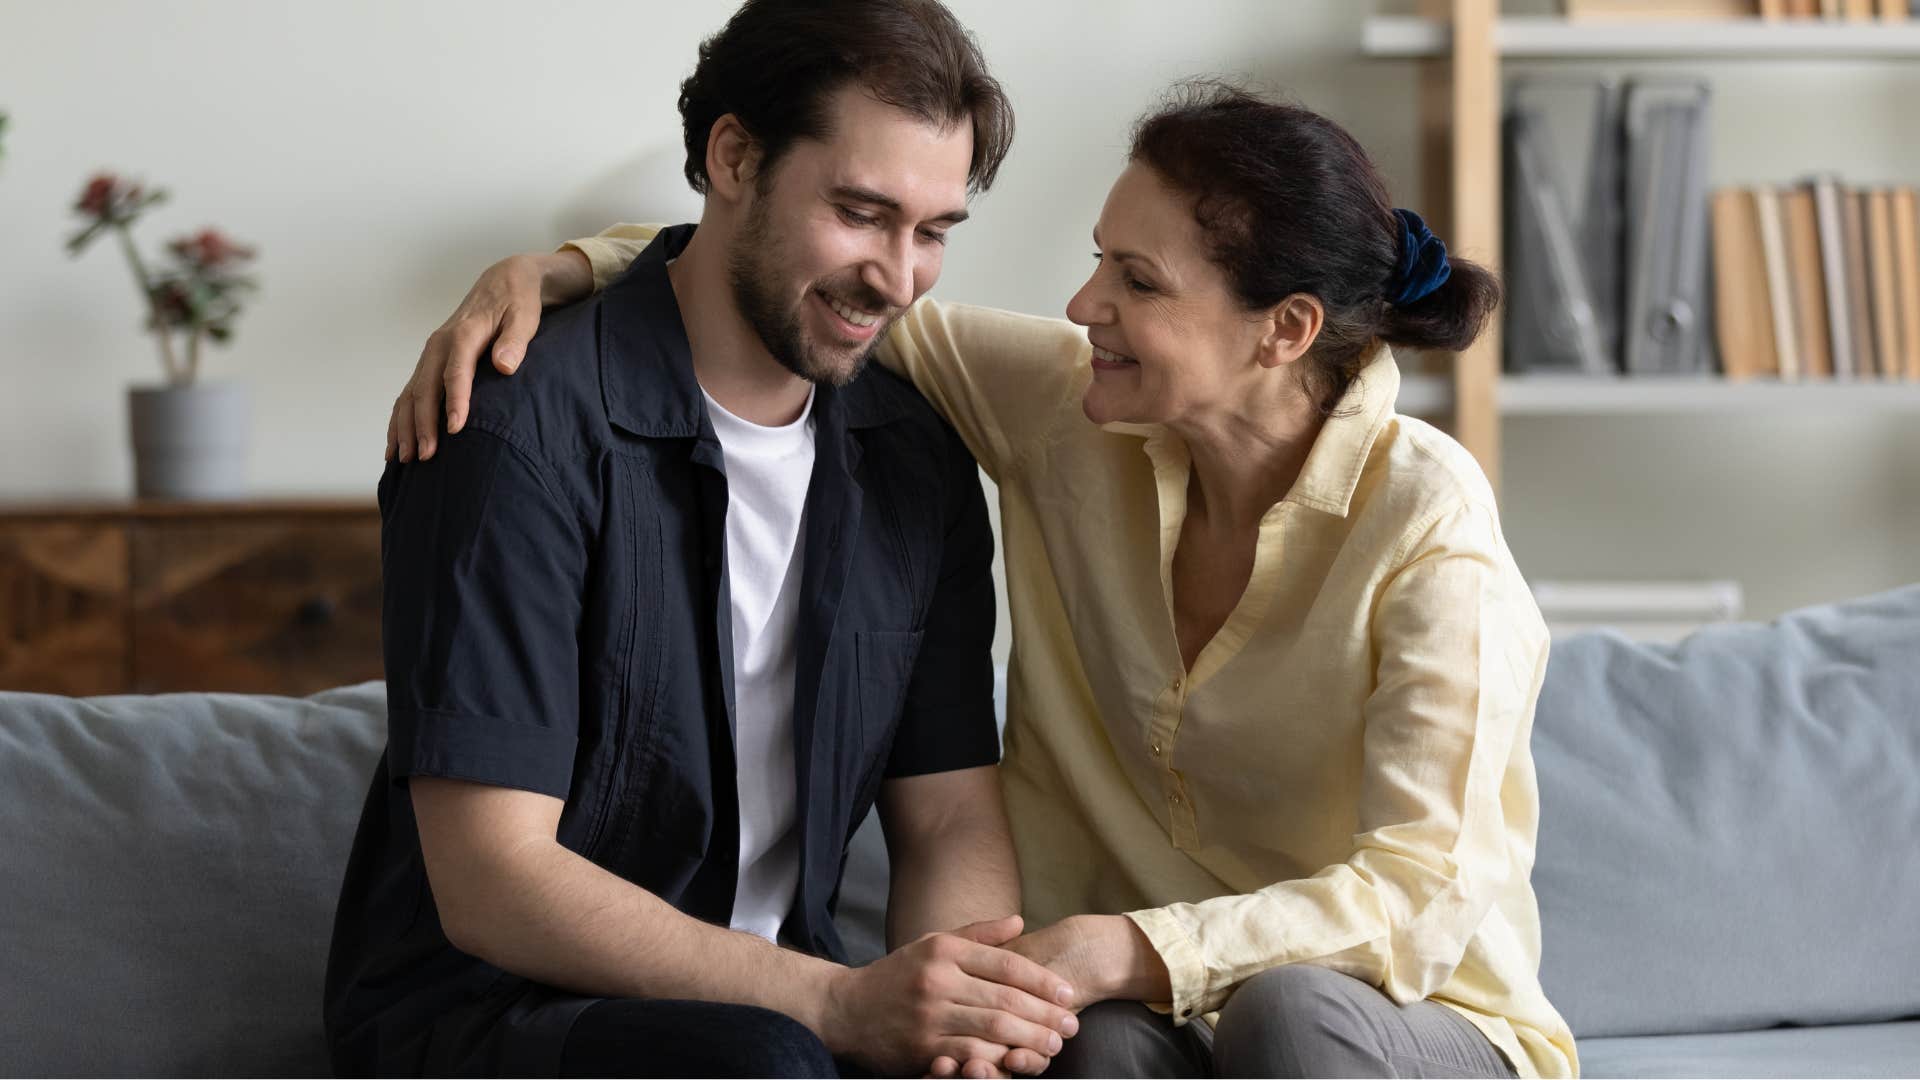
1423, 261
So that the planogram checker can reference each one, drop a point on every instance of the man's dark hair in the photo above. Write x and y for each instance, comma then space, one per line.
776, 62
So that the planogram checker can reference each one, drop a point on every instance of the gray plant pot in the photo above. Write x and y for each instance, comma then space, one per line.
189, 442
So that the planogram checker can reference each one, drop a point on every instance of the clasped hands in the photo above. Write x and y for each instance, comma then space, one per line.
982, 1001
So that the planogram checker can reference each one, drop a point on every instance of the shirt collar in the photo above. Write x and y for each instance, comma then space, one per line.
646, 365
1340, 453
1332, 471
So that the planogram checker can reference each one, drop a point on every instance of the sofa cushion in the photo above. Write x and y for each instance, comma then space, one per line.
172, 865
1728, 825
1842, 1050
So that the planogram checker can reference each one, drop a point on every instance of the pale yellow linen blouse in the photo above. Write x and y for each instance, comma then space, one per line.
1344, 777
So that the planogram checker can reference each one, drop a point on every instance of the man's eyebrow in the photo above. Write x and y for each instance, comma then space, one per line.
855, 193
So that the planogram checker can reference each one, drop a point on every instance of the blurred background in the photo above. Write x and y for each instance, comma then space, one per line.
377, 156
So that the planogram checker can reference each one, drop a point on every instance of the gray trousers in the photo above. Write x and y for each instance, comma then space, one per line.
1297, 1020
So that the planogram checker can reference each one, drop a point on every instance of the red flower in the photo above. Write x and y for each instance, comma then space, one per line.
210, 249
102, 192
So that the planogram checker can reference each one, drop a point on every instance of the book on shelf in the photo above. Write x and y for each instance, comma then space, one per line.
1839, 10
1780, 306
1887, 347
1817, 280
1833, 270
1808, 298
1668, 310
1562, 313
1617, 10
1859, 301
1742, 306
1707, 10
1906, 265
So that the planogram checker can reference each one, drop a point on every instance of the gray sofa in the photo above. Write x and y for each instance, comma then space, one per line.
1730, 844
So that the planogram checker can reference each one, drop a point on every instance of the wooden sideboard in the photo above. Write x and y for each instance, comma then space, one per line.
276, 597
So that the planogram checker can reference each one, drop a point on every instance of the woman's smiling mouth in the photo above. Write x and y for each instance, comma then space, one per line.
1108, 360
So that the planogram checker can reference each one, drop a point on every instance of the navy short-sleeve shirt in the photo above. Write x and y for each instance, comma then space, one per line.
556, 620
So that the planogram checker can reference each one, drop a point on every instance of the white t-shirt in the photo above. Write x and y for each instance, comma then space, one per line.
768, 472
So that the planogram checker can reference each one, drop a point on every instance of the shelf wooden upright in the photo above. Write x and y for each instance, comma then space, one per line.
1460, 97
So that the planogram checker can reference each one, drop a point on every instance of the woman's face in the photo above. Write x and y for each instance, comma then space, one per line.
1171, 343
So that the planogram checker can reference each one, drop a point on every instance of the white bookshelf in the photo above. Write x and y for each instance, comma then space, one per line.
1546, 36
1573, 395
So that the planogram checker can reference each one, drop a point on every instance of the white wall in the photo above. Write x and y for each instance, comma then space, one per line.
380, 154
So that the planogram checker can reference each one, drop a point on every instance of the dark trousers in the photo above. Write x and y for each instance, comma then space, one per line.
631, 1037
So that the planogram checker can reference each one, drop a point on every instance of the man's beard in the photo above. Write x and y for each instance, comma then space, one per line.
752, 271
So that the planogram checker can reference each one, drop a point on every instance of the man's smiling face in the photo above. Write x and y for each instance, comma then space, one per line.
846, 232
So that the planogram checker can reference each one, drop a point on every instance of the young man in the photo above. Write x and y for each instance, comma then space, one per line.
681, 601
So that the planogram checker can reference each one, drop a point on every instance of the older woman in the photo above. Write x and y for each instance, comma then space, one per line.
1274, 668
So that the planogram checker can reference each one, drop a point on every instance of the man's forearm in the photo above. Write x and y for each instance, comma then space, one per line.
557, 918
960, 874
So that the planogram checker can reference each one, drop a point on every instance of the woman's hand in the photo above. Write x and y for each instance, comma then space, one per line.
502, 309
1086, 950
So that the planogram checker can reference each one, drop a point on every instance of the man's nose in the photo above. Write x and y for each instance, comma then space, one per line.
890, 272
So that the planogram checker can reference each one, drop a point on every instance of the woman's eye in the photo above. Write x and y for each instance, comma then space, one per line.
1133, 284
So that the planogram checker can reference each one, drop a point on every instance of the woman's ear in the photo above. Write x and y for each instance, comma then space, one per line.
1292, 327
733, 157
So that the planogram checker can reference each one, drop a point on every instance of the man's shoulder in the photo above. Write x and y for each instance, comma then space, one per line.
909, 439
552, 406
880, 399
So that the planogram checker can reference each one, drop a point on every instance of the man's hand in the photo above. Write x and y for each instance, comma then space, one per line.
956, 996
503, 310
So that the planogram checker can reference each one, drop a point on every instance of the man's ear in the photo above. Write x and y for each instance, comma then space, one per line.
733, 158
1291, 329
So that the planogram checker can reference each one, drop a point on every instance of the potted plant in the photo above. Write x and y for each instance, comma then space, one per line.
189, 434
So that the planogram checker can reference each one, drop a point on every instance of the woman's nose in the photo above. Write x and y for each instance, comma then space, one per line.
1086, 308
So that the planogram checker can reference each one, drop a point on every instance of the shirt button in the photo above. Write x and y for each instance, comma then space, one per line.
1156, 748
1174, 798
